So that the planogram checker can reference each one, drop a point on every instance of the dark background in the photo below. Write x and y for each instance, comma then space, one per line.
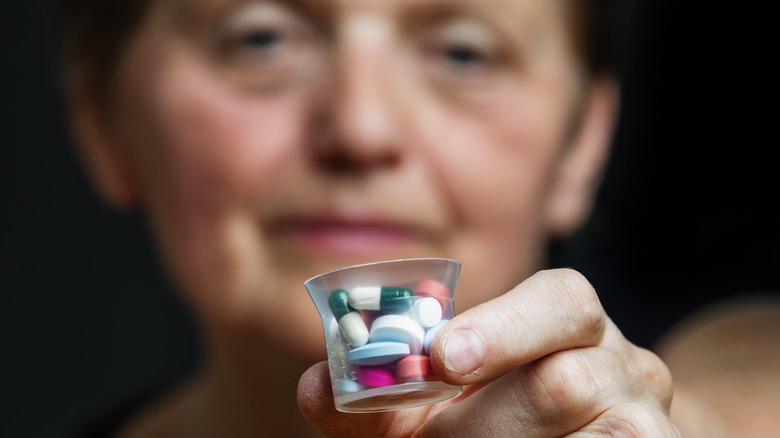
689, 214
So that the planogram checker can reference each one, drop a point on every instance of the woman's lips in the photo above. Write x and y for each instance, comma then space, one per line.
347, 237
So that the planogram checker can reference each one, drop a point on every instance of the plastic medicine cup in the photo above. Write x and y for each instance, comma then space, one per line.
371, 323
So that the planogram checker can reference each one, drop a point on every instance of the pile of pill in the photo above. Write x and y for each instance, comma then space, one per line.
389, 331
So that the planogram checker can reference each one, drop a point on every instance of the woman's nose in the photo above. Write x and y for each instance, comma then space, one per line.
363, 110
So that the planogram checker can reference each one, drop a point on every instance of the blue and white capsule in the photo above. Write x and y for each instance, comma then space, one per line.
384, 298
350, 321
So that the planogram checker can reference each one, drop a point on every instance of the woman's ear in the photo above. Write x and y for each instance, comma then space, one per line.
584, 157
105, 160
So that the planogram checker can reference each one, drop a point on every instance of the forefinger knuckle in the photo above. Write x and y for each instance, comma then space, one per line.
576, 294
651, 369
560, 385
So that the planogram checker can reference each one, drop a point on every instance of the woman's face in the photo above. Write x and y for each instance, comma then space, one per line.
272, 141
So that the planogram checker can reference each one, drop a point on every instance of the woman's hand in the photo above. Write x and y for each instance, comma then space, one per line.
543, 360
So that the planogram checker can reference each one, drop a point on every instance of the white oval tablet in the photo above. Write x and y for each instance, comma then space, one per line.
398, 328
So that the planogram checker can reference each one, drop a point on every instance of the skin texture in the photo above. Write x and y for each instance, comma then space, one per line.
269, 142
725, 361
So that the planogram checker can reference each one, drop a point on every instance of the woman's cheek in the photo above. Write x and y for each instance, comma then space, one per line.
220, 134
495, 162
210, 153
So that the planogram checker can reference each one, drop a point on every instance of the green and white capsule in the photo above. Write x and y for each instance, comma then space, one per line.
384, 298
350, 321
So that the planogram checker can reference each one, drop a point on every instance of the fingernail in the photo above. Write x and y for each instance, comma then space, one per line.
463, 351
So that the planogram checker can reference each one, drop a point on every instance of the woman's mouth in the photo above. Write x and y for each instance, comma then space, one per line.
347, 236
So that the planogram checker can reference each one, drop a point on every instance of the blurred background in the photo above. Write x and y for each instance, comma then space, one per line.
689, 214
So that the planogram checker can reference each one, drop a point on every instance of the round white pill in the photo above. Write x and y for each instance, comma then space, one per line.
427, 311
430, 334
398, 328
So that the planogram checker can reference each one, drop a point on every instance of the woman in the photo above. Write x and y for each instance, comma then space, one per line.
271, 141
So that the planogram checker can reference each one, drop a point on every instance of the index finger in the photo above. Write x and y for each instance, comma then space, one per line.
551, 311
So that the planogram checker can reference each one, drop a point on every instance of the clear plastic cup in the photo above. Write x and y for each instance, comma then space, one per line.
379, 319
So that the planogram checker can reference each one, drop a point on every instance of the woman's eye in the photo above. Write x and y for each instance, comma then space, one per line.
264, 34
260, 42
462, 56
461, 49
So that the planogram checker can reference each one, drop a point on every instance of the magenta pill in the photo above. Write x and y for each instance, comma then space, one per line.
376, 376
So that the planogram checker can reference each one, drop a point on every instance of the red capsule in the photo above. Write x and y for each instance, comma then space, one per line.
414, 368
369, 316
432, 288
